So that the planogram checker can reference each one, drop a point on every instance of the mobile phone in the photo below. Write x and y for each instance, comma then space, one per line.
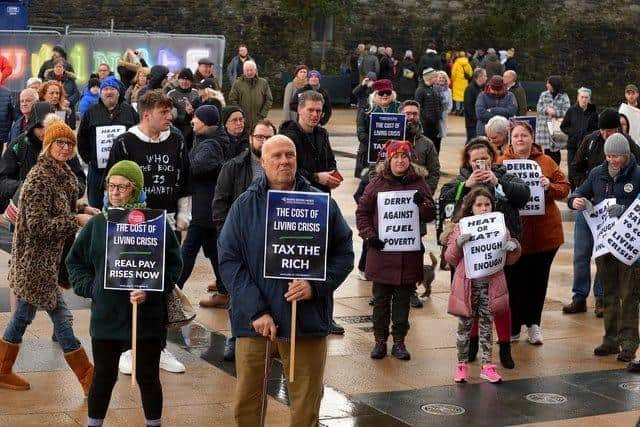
337, 175
481, 164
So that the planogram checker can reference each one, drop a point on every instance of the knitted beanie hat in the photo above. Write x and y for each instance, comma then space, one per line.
617, 145
131, 171
609, 119
208, 114
57, 130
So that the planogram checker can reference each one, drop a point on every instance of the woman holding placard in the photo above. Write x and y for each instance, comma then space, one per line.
476, 299
542, 233
394, 270
111, 313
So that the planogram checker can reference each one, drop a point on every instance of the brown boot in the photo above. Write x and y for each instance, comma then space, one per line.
80, 365
215, 301
576, 306
212, 287
599, 310
8, 354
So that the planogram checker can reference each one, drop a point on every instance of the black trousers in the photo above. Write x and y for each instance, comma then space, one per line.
106, 354
391, 303
527, 281
362, 263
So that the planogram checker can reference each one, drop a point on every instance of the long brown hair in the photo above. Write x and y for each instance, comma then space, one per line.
42, 90
476, 143
466, 208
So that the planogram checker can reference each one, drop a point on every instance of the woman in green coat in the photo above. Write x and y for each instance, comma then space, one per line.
111, 311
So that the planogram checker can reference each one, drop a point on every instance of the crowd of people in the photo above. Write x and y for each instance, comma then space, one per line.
172, 140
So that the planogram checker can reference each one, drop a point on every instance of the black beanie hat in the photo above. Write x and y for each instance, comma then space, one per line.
186, 74
38, 111
228, 111
208, 114
609, 119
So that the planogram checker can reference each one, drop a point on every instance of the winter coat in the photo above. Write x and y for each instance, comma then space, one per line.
392, 268
561, 104
521, 98
253, 96
314, 153
289, 92
241, 262
430, 59
369, 63
511, 64
471, 94
514, 196
577, 123
461, 74
179, 97
17, 128
460, 297
154, 81
430, 105
386, 68
235, 177
68, 81
87, 100
235, 68
491, 63
407, 82
111, 310
326, 106
46, 219
447, 105
591, 154
488, 106
48, 65
363, 122
362, 93
426, 155
542, 233
128, 71
8, 114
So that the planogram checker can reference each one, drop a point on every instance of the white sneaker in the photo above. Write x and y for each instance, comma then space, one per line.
169, 363
535, 335
360, 275
124, 365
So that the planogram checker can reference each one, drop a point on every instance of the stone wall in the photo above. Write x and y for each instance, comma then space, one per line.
588, 42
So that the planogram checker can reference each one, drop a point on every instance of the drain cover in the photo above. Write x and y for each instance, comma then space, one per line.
546, 398
442, 409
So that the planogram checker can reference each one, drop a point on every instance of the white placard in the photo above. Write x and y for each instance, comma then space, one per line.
483, 254
529, 171
600, 223
104, 140
398, 221
623, 241
633, 114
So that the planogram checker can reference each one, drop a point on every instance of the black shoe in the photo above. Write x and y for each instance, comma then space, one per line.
229, 354
415, 301
605, 350
473, 349
336, 329
626, 356
634, 366
380, 349
399, 351
505, 355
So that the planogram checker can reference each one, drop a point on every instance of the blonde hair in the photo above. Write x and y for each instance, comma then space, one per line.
48, 120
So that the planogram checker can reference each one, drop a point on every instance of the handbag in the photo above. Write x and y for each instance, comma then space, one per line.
180, 312
558, 138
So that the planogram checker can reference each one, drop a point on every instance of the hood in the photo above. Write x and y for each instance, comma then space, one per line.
38, 113
226, 113
414, 172
138, 133
157, 74
463, 60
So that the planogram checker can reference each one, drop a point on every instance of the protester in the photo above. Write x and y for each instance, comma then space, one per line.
68, 81
430, 106
314, 84
205, 71
109, 111
291, 89
491, 63
442, 87
128, 67
511, 64
235, 69
184, 97
488, 295
208, 95
110, 325
5, 69
363, 91
370, 63
495, 100
139, 81
33, 83
90, 95
624, 124
513, 85
497, 131
28, 97
252, 94
53, 92
408, 77
542, 235
471, 93
423, 148
8, 113
394, 274
158, 77
617, 177
430, 59
259, 304
461, 75
48, 219
552, 104
57, 53
631, 95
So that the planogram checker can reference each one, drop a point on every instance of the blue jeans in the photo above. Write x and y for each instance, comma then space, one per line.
582, 249
60, 316
95, 186
207, 239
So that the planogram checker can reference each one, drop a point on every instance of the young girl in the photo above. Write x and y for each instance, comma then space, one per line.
476, 298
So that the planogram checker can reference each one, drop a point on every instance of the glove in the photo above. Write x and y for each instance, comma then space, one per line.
616, 210
376, 243
510, 246
588, 207
418, 198
462, 239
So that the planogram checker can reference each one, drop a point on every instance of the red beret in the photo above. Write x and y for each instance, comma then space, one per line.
381, 85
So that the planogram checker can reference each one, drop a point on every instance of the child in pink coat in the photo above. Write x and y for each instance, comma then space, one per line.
476, 298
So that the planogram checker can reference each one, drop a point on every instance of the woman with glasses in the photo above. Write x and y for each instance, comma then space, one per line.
48, 218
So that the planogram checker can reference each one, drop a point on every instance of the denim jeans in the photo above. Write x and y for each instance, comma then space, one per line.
60, 316
582, 249
207, 239
95, 186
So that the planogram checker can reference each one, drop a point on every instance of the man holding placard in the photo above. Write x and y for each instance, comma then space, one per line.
618, 177
309, 248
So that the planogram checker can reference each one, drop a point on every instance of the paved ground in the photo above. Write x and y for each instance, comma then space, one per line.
587, 391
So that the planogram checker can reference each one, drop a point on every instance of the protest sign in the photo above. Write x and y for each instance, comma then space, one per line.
295, 241
104, 140
398, 221
383, 127
633, 115
483, 254
134, 258
529, 171
600, 223
623, 241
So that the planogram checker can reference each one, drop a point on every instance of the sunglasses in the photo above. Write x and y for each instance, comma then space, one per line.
384, 93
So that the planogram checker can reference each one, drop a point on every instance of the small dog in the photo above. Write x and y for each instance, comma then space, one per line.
429, 274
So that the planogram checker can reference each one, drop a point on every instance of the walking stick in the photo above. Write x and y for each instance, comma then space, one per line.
134, 341
267, 370
292, 352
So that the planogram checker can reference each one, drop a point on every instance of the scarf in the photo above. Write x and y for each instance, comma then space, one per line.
299, 83
140, 204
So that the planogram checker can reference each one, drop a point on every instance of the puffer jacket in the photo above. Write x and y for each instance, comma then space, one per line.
488, 106
461, 74
460, 297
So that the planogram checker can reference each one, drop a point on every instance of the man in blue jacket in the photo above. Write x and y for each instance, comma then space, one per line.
260, 308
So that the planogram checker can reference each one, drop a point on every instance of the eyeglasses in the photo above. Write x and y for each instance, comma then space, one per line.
61, 143
384, 93
120, 188
411, 113
261, 137
238, 120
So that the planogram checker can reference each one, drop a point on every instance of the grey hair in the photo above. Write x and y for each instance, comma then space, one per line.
373, 49
309, 95
250, 63
29, 91
478, 72
497, 124
585, 90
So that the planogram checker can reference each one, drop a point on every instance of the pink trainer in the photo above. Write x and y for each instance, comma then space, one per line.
490, 374
462, 373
